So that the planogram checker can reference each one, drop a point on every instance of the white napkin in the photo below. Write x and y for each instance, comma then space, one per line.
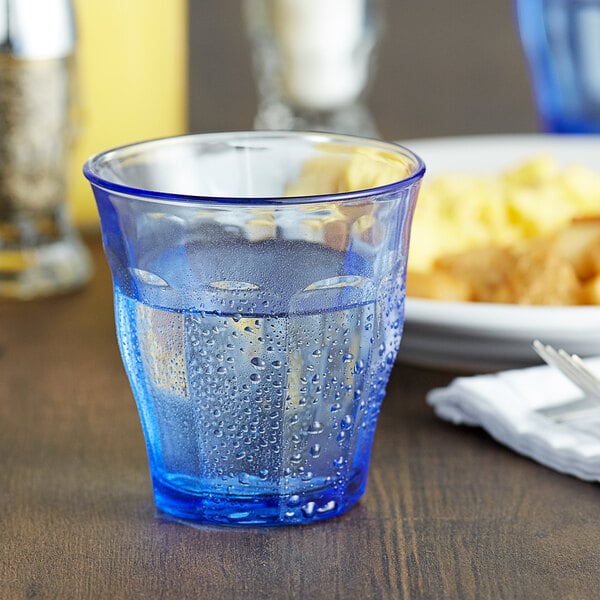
508, 404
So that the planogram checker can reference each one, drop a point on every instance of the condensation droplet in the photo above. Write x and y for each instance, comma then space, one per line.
258, 363
359, 367
315, 427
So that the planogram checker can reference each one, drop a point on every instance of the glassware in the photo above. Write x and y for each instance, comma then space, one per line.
561, 40
259, 283
40, 251
313, 62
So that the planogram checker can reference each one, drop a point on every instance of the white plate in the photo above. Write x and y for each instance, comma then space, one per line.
478, 337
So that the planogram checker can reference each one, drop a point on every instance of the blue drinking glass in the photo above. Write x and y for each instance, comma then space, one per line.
259, 283
561, 40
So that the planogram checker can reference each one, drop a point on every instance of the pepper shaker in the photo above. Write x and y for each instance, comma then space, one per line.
41, 253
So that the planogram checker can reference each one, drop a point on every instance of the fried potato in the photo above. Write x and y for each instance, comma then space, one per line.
579, 242
590, 293
437, 285
484, 270
541, 275
536, 273
540, 272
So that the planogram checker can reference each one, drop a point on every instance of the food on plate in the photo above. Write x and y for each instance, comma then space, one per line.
530, 235
563, 269
360, 169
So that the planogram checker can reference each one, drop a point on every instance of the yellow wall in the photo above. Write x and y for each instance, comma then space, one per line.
132, 82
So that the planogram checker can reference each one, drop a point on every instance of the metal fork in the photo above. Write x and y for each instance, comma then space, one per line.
575, 369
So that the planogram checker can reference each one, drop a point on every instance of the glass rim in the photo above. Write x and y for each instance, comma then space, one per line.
90, 169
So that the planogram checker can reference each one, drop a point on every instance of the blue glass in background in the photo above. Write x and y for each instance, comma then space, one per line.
258, 331
561, 40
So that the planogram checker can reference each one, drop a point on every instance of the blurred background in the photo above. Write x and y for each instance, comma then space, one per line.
440, 69
118, 72
443, 68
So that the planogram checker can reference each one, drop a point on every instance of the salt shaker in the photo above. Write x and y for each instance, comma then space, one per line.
313, 62
40, 251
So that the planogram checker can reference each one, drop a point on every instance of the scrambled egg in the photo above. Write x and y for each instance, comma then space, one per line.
462, 212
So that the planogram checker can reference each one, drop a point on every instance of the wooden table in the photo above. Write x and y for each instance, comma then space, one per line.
448, 512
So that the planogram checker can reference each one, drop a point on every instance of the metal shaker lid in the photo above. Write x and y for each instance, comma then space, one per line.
37, 29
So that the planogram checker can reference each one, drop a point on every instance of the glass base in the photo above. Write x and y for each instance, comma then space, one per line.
44, 270
568, 125
262, 510
354, 119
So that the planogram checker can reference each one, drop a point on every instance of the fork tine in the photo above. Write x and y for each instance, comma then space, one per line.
584, 380
562, 362
586, 373
584, 367
542, 350
574, 368
551, 356
570, 367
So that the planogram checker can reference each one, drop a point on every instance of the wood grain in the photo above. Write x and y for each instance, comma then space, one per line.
448, 512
